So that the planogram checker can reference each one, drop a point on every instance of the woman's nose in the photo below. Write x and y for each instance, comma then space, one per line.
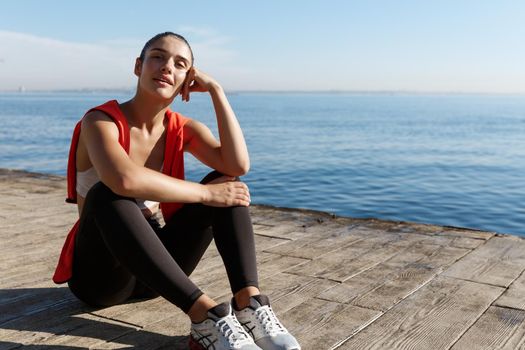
168, 66
166, 69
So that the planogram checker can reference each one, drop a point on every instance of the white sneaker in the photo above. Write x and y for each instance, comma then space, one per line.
266, 330
220, 331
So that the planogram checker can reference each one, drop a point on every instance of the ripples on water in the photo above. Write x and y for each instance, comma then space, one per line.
445, 159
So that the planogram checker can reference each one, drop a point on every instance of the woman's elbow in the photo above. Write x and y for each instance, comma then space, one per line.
241, 169
122, 185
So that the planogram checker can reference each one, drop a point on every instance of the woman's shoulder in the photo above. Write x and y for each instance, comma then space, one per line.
98, 122
108, 111
93, 116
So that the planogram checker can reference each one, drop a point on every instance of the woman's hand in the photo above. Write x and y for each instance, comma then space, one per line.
226, 191
196, 81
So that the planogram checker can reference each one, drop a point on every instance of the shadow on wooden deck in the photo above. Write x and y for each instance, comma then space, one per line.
59, 316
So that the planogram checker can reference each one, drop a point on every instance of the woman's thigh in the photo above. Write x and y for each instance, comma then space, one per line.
98, 277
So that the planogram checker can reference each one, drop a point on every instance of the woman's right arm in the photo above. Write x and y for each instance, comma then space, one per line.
124, 177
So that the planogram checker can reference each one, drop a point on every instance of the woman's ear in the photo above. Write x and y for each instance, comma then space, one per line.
138, 66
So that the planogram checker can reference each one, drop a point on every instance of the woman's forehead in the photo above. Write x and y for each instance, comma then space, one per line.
172, 45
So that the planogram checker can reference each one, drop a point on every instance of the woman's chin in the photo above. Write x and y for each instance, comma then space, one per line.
163, 94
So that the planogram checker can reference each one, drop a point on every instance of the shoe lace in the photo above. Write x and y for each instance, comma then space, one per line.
232, 330
269, 321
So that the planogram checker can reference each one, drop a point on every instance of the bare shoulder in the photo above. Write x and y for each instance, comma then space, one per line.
96, 117
96, 127
99, 122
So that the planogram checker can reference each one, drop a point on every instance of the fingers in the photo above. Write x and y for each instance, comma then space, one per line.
201, 82
186, 87
241, 193
229, 193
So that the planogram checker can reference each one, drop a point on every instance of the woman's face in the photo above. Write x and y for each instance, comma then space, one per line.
164, 68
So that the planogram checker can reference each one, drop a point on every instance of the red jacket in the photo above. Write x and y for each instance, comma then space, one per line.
173, 166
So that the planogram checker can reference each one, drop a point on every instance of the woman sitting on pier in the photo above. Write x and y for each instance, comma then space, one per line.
126, 172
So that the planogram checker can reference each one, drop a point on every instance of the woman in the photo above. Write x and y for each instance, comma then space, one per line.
124, 160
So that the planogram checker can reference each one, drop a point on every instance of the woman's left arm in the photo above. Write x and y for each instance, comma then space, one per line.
230, 155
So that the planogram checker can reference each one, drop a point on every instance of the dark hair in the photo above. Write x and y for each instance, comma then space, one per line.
160, 36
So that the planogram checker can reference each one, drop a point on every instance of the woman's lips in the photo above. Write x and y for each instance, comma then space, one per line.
163, 81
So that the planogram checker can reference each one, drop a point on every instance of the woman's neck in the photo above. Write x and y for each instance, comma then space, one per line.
144, 113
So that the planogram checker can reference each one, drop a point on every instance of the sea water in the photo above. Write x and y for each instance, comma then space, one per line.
447, 159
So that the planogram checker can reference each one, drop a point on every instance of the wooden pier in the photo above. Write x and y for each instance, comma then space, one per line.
336, 283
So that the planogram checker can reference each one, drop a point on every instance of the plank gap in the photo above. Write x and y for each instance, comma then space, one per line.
473, 281
365, 325
116, 320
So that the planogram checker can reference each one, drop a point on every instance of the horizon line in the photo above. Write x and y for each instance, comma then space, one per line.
22, 90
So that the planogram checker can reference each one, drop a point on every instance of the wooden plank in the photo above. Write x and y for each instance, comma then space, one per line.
424, 253
321, 324
310, 247
169, 333
265, 242
448, 241
21, 225
269, 264
498, 262
36, 328
514, 297
433, 318
91, 331
17, 303
31, 237
392, 291
214, 281
284, 231
467, 233
419, 228
373, 224
498, 328
359, 284
287, 291
217, 285
408, 280
272, 216
12, 272
352, 259
429, 258
140, 313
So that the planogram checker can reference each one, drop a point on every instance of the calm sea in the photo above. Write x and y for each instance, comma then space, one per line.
454, 160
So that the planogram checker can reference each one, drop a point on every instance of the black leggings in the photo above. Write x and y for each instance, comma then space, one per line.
120, 255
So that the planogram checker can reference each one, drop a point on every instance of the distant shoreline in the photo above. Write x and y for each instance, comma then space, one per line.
342, 92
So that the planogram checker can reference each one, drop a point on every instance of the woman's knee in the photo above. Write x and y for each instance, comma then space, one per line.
212, 176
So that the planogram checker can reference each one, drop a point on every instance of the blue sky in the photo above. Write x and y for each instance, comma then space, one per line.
376, 45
